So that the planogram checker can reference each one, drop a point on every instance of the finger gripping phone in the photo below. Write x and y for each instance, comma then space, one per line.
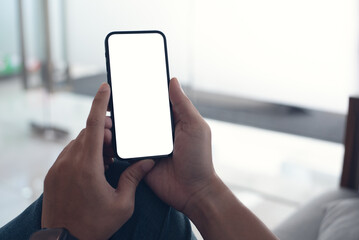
137, 71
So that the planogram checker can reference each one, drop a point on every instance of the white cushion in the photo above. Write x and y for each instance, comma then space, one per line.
341, 220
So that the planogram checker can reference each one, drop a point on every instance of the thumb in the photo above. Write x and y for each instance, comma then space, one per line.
130, 178
182, 106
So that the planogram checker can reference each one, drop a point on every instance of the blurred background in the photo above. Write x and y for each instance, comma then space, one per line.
272, 78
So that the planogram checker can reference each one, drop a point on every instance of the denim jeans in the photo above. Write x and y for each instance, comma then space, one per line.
152, 218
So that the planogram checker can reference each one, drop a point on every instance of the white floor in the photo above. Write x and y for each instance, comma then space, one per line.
272, 173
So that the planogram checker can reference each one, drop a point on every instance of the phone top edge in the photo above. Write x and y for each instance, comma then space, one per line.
134, 32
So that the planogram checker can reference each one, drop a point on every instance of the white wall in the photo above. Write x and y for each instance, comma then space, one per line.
89, 21
300, 52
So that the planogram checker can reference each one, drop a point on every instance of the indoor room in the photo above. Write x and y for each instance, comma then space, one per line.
271, 78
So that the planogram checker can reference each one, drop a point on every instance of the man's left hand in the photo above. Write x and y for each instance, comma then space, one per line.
76, 194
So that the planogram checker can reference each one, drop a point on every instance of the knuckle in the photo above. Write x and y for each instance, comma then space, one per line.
199, 129
79, 141
132, 177
51, 176
93, 121
81, 134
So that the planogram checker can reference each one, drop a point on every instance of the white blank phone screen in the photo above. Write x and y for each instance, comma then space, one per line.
140, 96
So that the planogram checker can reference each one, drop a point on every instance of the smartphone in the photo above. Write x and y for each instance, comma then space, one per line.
141, 112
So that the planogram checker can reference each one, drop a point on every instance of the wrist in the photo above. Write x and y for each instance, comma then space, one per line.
213, 209
218, 214
204, 201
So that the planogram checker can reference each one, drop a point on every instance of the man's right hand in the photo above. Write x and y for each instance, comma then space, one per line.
180, 179
188, 182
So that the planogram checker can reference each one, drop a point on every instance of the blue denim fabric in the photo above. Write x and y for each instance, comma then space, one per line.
152, 218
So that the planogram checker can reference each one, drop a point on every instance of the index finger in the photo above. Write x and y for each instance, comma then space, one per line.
95, 125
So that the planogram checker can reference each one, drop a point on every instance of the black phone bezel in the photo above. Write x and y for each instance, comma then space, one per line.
108, 69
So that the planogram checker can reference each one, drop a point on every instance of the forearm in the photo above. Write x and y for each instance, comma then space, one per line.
218, 214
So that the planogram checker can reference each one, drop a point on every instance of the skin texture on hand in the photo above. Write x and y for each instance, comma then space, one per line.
188, 182
176, 180
76, 193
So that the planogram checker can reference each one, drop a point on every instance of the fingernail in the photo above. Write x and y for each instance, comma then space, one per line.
103, 87
147, 165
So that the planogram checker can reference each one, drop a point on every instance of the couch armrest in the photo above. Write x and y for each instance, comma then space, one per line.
305, 223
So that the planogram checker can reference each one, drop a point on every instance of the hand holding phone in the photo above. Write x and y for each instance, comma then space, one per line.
137, 70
